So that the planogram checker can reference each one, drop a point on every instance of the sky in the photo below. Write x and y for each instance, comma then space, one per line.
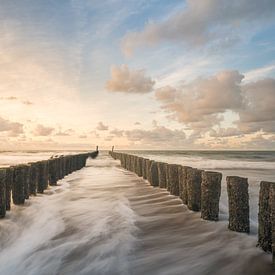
137, 74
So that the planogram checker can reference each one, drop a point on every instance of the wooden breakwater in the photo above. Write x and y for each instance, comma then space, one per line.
200, 191
18, 182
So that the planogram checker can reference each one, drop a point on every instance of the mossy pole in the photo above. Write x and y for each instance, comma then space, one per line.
210, 195
238, 202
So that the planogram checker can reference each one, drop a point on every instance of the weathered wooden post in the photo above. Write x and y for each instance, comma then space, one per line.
238, 202
148, 170
154, 177
135, 164
272, 206
132, 163
18, 194
173, 179
2, 192
182, 170
27, 181
33, 178
194, 189
9, 181
53, 171
139, 166
264, 216
127, 161
210, 195
162, 174
144, 168
43, 175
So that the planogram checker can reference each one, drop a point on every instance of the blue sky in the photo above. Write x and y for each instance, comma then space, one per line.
136, 67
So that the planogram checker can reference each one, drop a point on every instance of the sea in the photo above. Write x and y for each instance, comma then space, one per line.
103, 219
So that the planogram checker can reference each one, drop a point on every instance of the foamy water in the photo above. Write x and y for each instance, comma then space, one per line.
105, 220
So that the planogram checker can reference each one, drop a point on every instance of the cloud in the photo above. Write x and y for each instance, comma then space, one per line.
201, 103
10, 98
27, 102
82, 136
225, 132
137, 123
158, 136
102, 127
62, 133
258, 113
201, 22
41, 130
117, 132
259, 73
13, 129
129, 81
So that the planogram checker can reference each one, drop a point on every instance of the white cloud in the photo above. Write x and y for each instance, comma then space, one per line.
129, 81
201, 103
201, 22
259, 73
258, 113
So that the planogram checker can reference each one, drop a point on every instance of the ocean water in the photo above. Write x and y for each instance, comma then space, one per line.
106, 220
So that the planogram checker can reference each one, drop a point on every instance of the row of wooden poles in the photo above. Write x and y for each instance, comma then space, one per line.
18, 182
200, 190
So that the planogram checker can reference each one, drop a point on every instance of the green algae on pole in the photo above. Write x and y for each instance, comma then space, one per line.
210, 195
238, 202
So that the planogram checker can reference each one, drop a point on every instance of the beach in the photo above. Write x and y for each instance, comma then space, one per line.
103, 219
